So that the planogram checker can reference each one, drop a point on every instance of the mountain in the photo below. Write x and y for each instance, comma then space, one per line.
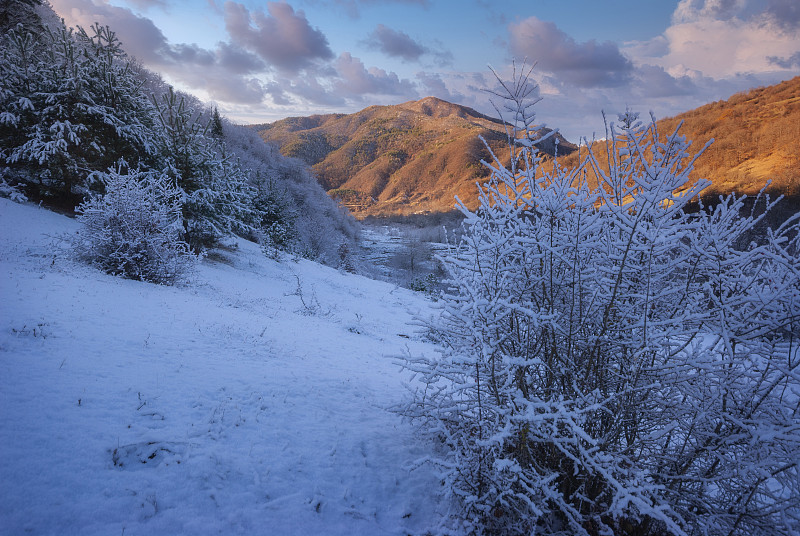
414, 157
755, 137
402, 159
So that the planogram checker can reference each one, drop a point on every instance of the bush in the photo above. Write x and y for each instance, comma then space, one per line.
614, 364
134, 229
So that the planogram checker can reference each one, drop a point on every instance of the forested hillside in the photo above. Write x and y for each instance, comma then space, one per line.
78, 115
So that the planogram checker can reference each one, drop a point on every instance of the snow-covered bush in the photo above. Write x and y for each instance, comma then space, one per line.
614, 362
134, 230
10, 192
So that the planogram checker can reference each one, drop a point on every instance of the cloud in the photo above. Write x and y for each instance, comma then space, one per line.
782, 13
587, 64
725, 38
395, 43
226, 73
310, 89
238, 61
283, 38
653, 82
434, 85
786, 13
791, 62
147, 4
353, 7
690, 10
356, 80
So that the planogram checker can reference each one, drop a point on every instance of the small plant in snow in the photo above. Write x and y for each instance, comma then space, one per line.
134, 229
615, 364
310, 303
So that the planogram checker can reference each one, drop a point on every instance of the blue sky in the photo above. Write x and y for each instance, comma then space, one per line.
262, 61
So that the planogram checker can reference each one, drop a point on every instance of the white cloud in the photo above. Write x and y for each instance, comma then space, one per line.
721, 39
356, 79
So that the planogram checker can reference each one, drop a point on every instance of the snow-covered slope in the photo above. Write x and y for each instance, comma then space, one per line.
224, 406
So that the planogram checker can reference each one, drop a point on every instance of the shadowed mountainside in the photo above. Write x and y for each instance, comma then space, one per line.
403, 159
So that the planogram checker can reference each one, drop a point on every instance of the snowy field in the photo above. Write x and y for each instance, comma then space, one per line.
233, 404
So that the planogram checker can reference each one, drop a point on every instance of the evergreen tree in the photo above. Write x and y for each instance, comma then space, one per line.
216, 124
276, 219
71, 106
217, 194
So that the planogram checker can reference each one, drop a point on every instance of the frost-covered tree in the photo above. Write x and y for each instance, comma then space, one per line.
134, 229
216, 124
275, 218
614, 362
217, 194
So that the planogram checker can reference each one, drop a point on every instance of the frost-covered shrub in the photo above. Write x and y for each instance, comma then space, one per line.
613, 363
134, 229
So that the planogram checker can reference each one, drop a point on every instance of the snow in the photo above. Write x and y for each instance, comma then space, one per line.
222, 406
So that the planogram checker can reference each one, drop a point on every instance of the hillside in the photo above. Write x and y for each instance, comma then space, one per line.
755, 136
757, 139
408, 158
62, 146
134, 408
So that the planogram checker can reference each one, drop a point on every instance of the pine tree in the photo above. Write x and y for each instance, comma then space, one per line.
276, 219
217, 193
216, 124
71, 106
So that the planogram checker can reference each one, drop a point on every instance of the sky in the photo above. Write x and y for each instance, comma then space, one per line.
263, 61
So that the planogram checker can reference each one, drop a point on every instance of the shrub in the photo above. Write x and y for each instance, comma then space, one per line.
612, 363
134, 229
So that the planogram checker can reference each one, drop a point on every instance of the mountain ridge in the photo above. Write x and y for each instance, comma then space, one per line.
414, 157
755, 142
